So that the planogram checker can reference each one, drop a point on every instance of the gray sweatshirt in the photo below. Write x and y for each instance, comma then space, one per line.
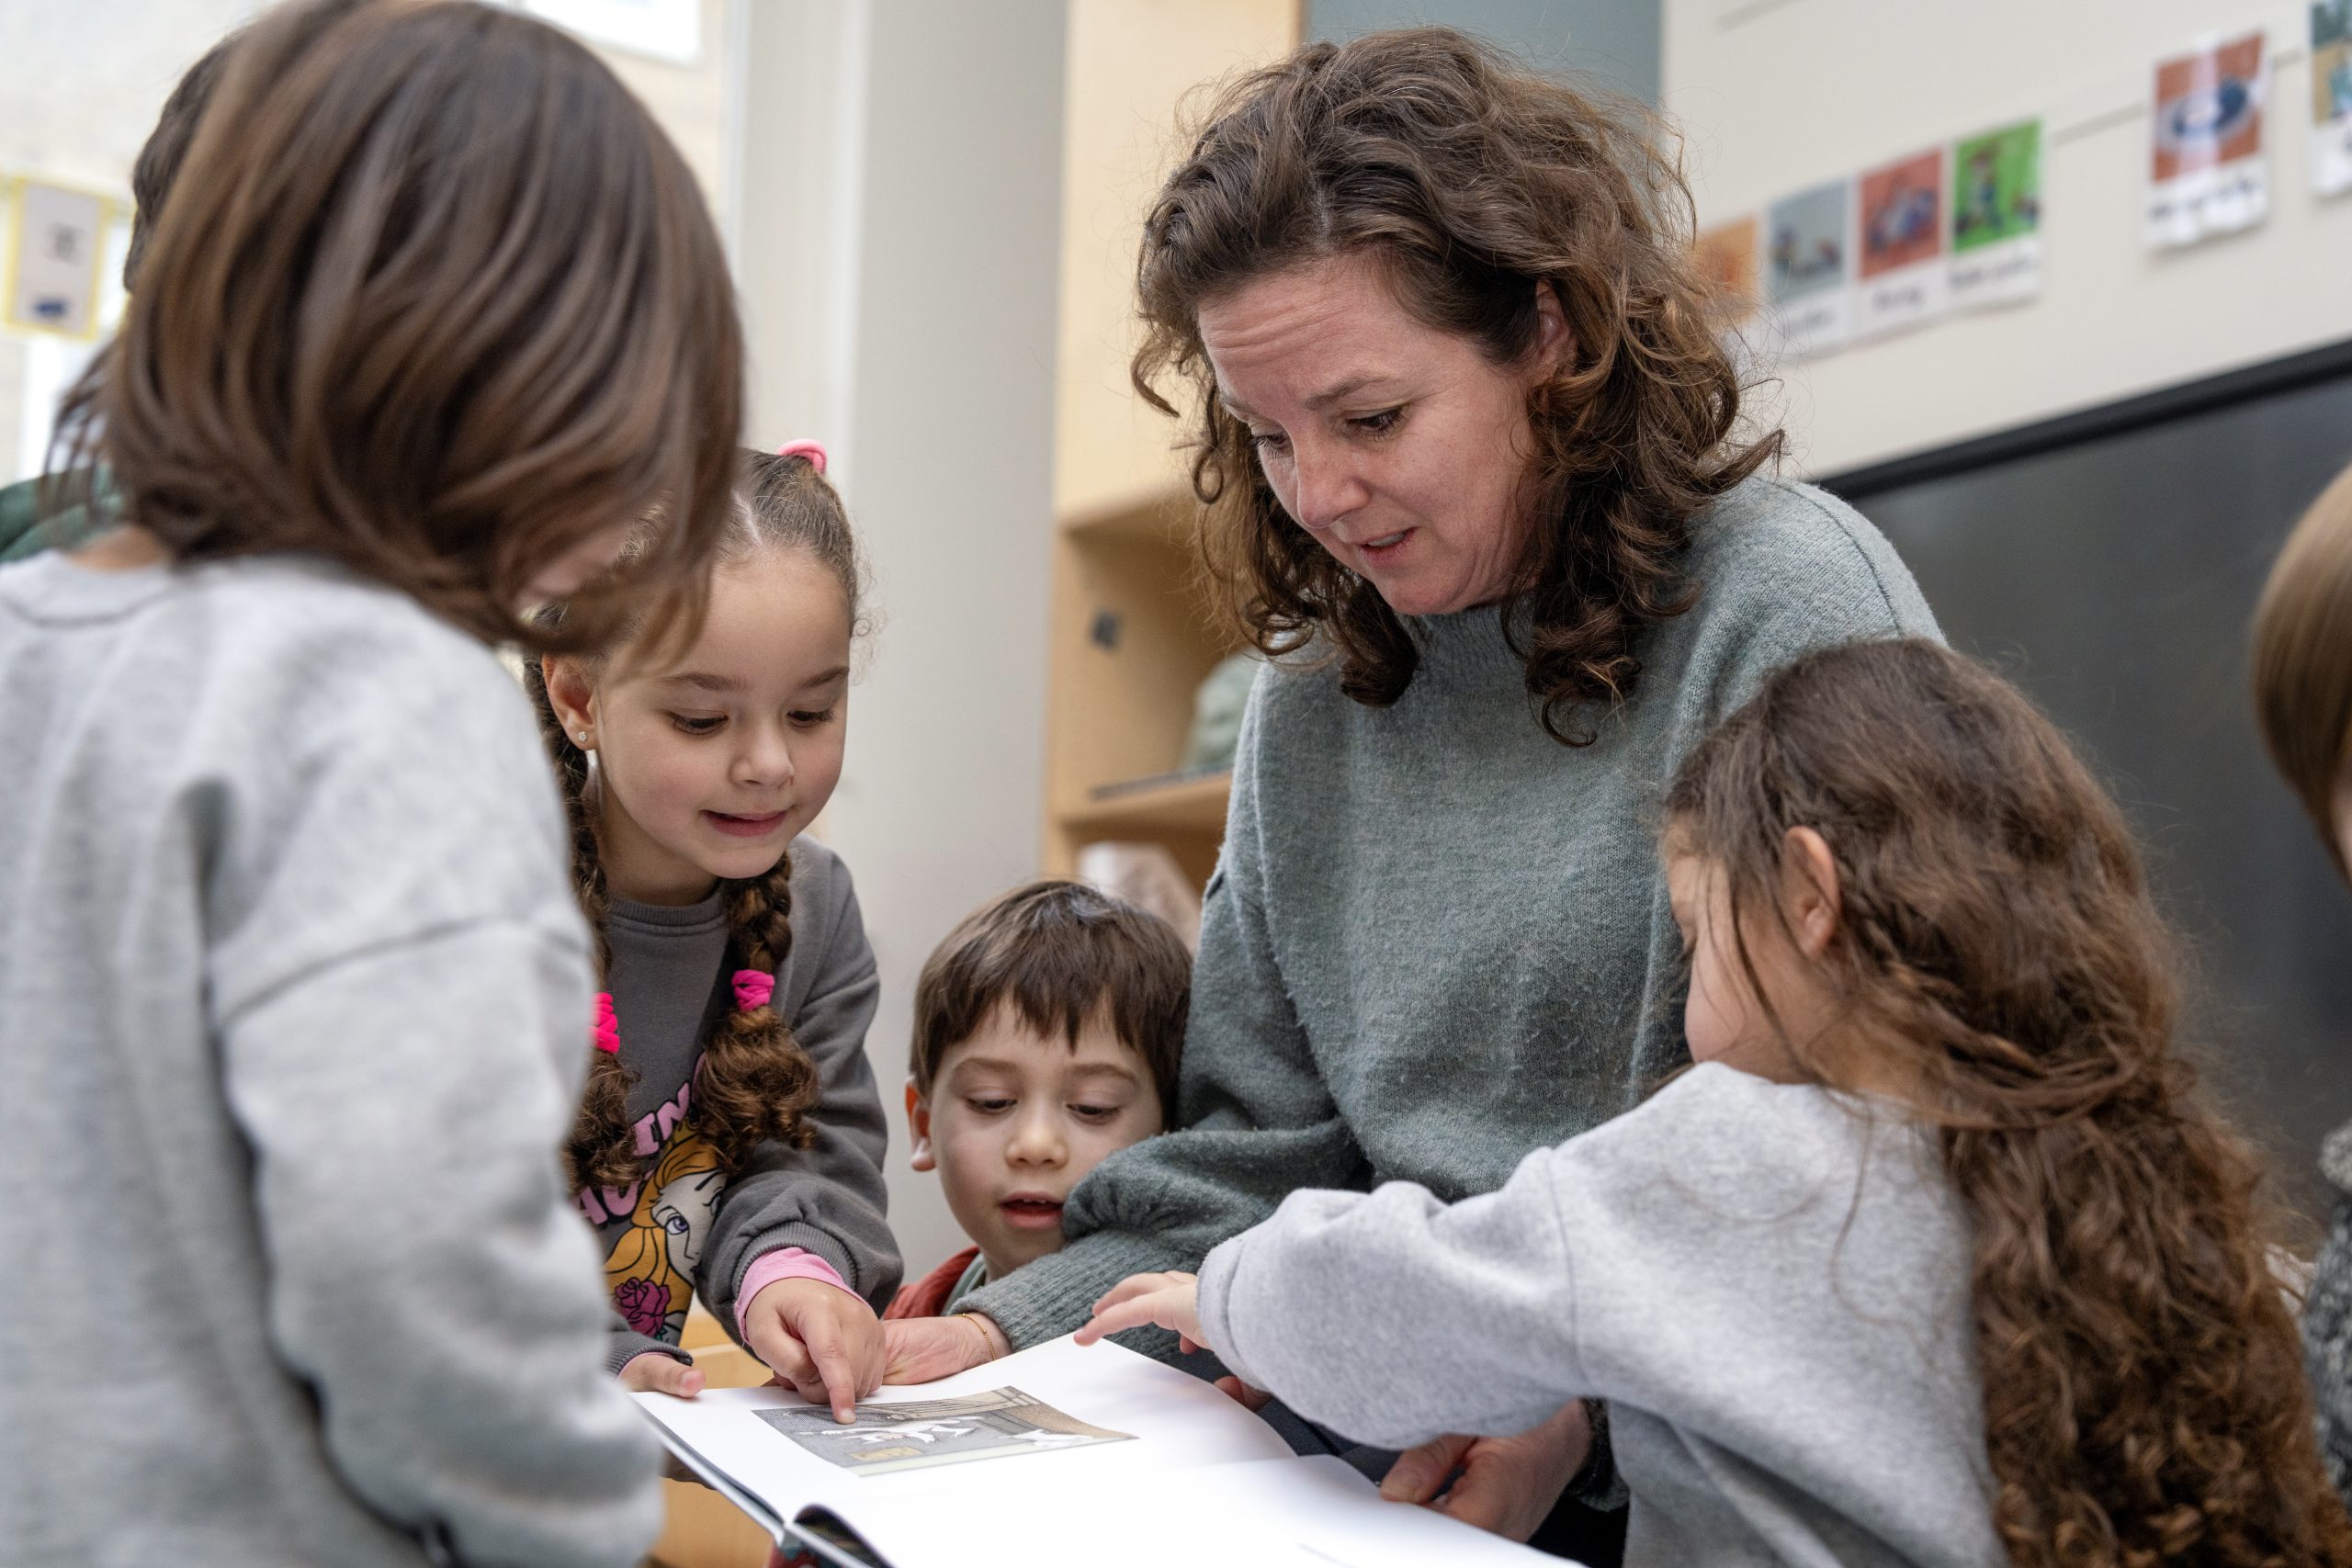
1437, 938
293, 998
1770, 1285
686, 1228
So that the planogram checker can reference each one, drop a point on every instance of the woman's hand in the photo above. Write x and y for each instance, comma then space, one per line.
658, 1373
1172, 1300
924, 1350
817, 1338
1504, 1484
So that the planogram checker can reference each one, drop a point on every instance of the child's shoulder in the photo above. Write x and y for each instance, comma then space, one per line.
1718, 1134
828, 927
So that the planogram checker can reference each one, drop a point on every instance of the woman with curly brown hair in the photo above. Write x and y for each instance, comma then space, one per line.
1937, 1258
1469, 449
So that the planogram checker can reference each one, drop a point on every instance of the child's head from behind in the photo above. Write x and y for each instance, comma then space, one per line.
432, 298
1047, 1030
690, 754
1894, 842
2302, 666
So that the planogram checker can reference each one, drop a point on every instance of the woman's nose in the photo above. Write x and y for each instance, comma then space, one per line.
1324, 486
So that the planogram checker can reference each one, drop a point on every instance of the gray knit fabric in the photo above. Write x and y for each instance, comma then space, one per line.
1438, 939
2327, 1319
293, 1010
1768, 1284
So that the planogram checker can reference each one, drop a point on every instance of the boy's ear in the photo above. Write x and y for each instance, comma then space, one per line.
919, 1128
572, 696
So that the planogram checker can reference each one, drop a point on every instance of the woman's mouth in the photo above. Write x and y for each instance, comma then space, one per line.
746, 827
1032, 1211
1383, 550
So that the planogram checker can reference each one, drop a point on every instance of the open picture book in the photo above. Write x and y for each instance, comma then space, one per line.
1058, 1454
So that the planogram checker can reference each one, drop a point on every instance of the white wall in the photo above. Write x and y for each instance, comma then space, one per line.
1776, 94
900, 189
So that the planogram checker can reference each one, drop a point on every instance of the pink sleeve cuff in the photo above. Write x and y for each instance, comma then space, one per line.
784, 1263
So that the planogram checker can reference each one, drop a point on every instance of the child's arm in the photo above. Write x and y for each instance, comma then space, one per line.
800, 1252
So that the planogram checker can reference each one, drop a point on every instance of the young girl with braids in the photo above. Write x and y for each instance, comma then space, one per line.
1935, 1256
730, 1138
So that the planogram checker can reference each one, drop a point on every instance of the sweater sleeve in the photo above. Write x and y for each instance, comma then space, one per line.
1394, 1318
829, 1198
1257, 1120
427, 1279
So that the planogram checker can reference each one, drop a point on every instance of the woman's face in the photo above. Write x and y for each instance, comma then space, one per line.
1400, 447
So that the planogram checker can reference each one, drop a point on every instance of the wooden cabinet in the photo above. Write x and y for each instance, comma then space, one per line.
1132, 637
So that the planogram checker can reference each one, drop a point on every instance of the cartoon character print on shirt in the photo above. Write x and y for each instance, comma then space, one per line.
651, 1269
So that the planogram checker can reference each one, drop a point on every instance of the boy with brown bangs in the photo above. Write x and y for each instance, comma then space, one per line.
1048, 1026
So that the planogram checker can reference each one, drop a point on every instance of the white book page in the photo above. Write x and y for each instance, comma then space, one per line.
1171, 1420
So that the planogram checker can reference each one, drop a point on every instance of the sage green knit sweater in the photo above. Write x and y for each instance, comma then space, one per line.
1438, 939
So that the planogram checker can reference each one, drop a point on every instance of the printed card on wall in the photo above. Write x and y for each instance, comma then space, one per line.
2331, 136
1904, 278
2208, 174
58, 242
1727, 257
1808, 267
1996, 215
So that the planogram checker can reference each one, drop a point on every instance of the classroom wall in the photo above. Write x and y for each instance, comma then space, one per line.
1615, 40
81, 84
1777, 95
901, 222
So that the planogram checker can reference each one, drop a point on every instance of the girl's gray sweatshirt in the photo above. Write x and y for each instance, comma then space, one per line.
294, 1009
1767, 1283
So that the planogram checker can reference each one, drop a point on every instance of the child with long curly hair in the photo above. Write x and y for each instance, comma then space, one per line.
730, 1138
1935, 1256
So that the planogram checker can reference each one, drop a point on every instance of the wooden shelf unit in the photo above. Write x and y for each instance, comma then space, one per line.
1131, 638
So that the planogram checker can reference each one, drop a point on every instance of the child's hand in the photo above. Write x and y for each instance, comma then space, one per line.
822, 1341
924, 1350
654, 1372
1172, 1300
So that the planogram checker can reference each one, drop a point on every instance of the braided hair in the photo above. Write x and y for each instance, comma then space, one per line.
754, 1081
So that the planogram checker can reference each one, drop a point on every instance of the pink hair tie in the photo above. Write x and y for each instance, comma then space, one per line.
606, 1033
812, 450
753, 988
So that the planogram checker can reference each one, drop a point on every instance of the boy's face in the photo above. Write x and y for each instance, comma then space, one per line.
1014, 1119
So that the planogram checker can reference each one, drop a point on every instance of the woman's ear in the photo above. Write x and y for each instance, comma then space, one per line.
918, 1130
1555, 349
572, 697
1809, 890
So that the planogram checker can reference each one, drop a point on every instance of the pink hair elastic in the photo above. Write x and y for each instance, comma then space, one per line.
812, 450
606, 1033
753, 988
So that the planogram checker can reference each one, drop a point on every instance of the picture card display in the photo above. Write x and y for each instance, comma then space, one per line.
2207, 173
1996, 215
2331, 133
1903, 278
1808, 267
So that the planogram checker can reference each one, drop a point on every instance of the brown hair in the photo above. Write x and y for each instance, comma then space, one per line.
161, 154
1998, 948
1060, 955
1474, 181
754, 1081
2303, 659
432, 296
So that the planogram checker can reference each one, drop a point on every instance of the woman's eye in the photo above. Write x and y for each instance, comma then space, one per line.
1379, 424
1269, 440
696, 725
